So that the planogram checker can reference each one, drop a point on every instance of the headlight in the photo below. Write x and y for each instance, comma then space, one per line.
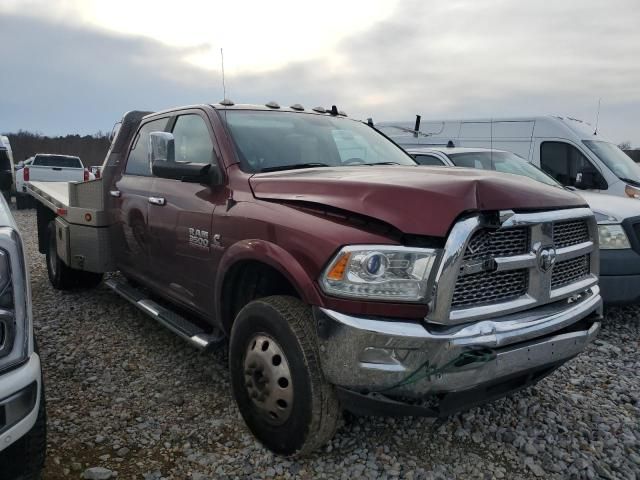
632, 191
15, 311
380, 272
612, 237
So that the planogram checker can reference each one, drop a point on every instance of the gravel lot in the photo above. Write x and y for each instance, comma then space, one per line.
126, 395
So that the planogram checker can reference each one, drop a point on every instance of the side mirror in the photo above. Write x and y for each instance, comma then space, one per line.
162, 147
162, 157
187, 172
590, 180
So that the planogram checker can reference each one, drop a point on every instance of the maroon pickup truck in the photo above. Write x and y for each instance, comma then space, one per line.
343, 276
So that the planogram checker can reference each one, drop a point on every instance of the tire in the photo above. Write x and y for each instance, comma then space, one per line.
60, 275
24, 459
309, 416
22, 201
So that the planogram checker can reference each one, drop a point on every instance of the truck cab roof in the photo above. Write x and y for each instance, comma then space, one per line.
270, 106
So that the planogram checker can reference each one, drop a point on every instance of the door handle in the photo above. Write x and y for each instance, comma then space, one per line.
157, 201
57, 169
115, 193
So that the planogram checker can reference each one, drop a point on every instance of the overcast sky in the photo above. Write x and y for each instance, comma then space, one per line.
74, 66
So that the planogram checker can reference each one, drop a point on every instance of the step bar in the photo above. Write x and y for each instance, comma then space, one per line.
175, 322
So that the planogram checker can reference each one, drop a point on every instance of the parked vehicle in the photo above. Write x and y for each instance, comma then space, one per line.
47, 167
22, 401
344, 276
24, 163
618, 218
565, 148
95, 170
7, 177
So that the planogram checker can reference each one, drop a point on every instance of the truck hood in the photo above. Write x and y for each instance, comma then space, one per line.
415, 200
618, 208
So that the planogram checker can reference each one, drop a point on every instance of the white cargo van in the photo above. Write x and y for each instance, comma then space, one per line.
566, 148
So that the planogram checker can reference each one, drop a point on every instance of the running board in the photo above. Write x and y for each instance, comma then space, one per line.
175, 322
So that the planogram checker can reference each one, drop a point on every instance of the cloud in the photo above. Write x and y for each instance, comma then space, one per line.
442, 59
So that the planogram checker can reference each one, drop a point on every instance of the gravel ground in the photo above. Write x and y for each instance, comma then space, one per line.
127, 398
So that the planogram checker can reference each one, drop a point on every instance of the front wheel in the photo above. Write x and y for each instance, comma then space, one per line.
276, 376
60, 275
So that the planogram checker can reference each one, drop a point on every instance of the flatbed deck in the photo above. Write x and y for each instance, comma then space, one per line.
66, 200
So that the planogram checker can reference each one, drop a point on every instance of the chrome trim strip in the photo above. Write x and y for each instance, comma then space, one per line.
578, 250
149, 307
528, 219
516, 262
568, 290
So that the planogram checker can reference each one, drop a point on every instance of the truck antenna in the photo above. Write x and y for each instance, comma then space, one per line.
224, 87
595, 132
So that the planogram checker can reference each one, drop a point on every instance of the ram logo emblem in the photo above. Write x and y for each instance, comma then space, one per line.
546, 259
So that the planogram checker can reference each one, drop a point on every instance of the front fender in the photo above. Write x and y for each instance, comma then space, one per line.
272, 255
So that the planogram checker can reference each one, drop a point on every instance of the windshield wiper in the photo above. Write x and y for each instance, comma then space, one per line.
294, 167
635, 183
371, 164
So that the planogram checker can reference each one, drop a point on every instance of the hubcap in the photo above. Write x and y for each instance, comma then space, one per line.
268, 379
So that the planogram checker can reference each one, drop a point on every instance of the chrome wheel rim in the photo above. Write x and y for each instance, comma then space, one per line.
268, 379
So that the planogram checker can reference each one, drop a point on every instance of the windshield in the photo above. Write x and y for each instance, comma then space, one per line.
267, 141
505, 162
618, 162
57, 161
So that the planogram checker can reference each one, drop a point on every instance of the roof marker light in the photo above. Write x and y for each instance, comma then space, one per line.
272, 104
226, 102
297, 106
319, 110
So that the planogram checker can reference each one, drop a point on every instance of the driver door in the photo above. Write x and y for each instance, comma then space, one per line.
181, 216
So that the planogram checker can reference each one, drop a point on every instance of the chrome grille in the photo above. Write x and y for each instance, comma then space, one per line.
570, 233
487, 272
570, 271
498, 243
488, 287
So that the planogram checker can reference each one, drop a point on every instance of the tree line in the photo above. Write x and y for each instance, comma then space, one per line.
90, 148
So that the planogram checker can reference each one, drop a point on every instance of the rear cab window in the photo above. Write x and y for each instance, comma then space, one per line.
57, 161
138, 160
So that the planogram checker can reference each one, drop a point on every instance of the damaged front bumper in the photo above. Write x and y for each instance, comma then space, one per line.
386, 366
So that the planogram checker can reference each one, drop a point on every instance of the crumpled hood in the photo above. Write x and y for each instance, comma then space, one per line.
415, 200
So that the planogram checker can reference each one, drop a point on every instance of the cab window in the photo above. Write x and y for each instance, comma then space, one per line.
192, 140
428, 160
138, 161
565, 162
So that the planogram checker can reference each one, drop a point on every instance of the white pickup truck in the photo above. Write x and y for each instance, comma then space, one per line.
49, 168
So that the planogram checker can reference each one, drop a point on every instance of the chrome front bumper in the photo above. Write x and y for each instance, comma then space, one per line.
378, 355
